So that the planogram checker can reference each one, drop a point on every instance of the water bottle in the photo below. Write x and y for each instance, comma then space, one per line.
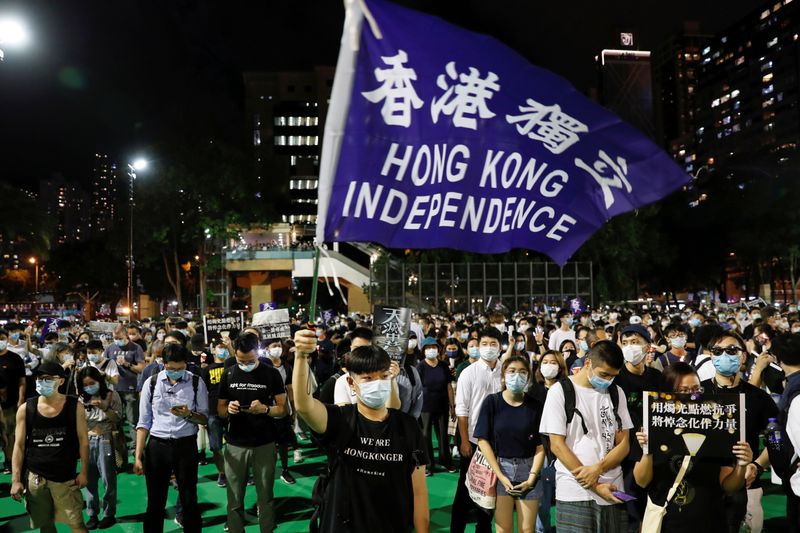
774, 435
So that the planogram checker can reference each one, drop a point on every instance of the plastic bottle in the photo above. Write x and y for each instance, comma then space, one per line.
774, 434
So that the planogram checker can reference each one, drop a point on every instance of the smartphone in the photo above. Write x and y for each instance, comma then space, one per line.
623, 496
176, 407
244, 406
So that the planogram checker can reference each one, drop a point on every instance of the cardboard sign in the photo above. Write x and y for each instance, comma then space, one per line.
98, 327
391, 326
700, 425
223, 325
273, 324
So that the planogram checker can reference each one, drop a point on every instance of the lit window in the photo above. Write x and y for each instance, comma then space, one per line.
715, 103
772, 42
706, 50
764, 14
734, 93
766, 78
768, 89
257, 138
739, 61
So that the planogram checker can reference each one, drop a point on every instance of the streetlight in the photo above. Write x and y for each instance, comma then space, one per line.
137, 164
12, 33
35, 263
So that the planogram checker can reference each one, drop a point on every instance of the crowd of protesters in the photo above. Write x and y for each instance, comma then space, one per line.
551, 398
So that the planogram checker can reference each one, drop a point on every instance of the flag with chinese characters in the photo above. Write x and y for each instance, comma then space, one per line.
437, 137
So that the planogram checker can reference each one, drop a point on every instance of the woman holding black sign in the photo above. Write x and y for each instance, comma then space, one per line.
690, 489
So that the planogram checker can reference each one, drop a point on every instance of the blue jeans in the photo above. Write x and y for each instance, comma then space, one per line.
101, 466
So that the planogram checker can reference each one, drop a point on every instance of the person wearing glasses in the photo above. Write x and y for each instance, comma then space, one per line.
707, 480
728, 354
676, 336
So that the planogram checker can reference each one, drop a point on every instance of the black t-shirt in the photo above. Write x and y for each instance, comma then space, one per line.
759, 408
772, 377
435, 382
263, 384
698, 502
212, 375
372, 483
513, 431
12, 369
634, 385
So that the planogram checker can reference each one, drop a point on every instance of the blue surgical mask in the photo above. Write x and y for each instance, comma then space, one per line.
726, 365
15, 336
374, 394
695, 322
474, 352
247, 367
489, 353
93, 357
599, 383
3, 346
584, 346
222, 353
121, 342
452, 353
570, 321
176, 375
46, 388
516, 382
91, 390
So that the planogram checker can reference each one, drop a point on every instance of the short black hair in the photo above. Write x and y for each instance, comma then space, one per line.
94, 345
367, 359
608, 353
3, 333
180, 324
175, 334
175, 353
680, 328
706, 334
362, 333
562, 313
51, 336
786, 348
134, 326
673, 374
492, 333
722, 334
246, 343
13, 326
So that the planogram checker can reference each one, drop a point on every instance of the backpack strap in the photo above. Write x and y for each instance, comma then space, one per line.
152, 381
613, 391
195, 384
569, 403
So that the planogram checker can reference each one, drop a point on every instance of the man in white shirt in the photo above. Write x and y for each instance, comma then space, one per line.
564, 331
591, 446
786, 348
475, 383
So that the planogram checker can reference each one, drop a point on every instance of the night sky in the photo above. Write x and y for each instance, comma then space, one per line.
119, 76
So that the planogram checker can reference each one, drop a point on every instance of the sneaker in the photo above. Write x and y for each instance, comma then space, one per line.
107, 522
455, 453
287, 477
452, 469
428, 472
298, 456
222, 481
251, 481
179, 520
6, 468
92, 523
225, 528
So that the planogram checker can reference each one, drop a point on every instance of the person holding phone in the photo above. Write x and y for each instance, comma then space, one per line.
508, 435
174, 402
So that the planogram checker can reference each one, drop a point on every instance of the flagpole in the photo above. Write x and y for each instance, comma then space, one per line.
312, 312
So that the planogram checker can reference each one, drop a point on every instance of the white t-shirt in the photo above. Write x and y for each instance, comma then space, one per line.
343, 393
707, 370
589, 448
475, 383
111, 370
793, 431
559, 336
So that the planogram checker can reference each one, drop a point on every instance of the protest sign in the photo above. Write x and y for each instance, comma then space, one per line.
758, 302
222, 326
273, 324
96, 328
437, 137
698, 425
391, 326
481, 482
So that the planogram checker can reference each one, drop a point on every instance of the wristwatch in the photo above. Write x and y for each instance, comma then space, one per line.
269, 407
760, 468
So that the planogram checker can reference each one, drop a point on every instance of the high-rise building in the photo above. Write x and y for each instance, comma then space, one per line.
748, 94
68, 205
626, 83
286, 113
676, 65
104, 208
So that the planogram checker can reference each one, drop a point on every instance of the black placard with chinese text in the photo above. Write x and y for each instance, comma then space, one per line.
699, 425
391, 326
218, 325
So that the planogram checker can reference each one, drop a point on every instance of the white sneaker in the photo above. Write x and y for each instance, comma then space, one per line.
298, 456
456, 455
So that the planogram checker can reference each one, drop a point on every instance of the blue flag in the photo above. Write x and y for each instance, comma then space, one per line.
437, 137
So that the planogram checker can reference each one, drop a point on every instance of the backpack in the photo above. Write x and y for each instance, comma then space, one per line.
329, 486
782, 458
571, 410
195, 383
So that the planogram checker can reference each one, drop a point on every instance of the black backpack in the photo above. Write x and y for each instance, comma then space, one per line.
571, 410
323, 492
782, 458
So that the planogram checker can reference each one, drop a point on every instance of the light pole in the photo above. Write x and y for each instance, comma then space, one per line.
139, 164
35, 263
12, 33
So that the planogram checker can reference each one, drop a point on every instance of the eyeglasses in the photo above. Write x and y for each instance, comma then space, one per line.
690, 390
730, 350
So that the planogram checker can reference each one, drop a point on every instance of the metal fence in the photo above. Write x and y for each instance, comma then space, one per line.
474, 287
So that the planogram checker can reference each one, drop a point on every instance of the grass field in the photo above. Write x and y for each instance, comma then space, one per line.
292, 502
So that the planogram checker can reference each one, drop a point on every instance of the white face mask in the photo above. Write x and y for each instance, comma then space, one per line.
412, 343
549, 370
520, 346
275, 353
431, 353
489, 353
633, 353
501, 327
